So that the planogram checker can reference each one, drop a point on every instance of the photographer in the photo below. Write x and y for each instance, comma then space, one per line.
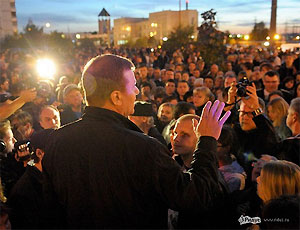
256, 134
11, 169
26, 200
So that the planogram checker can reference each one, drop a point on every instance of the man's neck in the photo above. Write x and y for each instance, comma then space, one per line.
296, 129
76, 108
187, 159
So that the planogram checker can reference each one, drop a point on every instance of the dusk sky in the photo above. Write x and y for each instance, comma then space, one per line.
237, 16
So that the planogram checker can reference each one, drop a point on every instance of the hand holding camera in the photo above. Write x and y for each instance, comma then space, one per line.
252, 100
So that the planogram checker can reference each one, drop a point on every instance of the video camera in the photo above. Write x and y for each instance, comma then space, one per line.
241, 87
23, 146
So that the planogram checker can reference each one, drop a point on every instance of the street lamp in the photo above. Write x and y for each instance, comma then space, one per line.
78, 36
266, 43
276, 36
268, 38
246, 37
165, 39
48, 24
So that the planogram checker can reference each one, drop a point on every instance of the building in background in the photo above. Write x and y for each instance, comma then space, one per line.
104, 27
8, 18
159, 25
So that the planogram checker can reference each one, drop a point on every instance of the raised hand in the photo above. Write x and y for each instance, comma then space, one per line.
210, 123
28, 95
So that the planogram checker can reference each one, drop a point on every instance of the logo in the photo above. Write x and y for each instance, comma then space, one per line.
249, 220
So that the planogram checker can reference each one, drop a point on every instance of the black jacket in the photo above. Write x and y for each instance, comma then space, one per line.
103, 172
262, 140
26, 201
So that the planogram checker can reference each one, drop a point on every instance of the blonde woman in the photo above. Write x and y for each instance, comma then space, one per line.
277, 112
278, 178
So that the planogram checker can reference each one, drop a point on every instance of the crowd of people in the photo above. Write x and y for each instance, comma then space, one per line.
145, 138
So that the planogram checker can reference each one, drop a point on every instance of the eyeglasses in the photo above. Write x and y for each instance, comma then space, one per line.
243, 113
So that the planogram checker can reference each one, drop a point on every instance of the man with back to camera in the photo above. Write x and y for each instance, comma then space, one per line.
102, 172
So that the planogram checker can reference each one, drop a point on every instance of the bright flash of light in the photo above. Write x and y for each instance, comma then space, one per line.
192, 37
152, 50
266, 43
276, 36
158, 47
238, 36
298, 37
45, 68
268, 38
165, 39
77, 36
246, 37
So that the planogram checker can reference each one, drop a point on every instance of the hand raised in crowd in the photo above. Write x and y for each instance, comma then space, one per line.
252, 100
28, 95
210, 123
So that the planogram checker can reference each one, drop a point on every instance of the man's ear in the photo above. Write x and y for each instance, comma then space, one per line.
116, 98
295, 117
39, 153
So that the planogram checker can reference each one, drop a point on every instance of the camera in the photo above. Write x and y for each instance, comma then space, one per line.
23, 146
241, 87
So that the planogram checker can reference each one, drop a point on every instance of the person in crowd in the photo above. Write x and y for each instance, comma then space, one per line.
182, 88
144, 77
227, 152
145, 92
72, 108
286, 69
191, 67
271, 83
209, 82
288, 149
169, 75
278, 178
26, 199
297, 90
165, 115
4, 87
49, 117
288, 84
157, 77
11, 169
22, 123
202, 95
277, 111
198, 83
143, 118
180, 109
100, 181
229, 79
170, 87
213, 70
